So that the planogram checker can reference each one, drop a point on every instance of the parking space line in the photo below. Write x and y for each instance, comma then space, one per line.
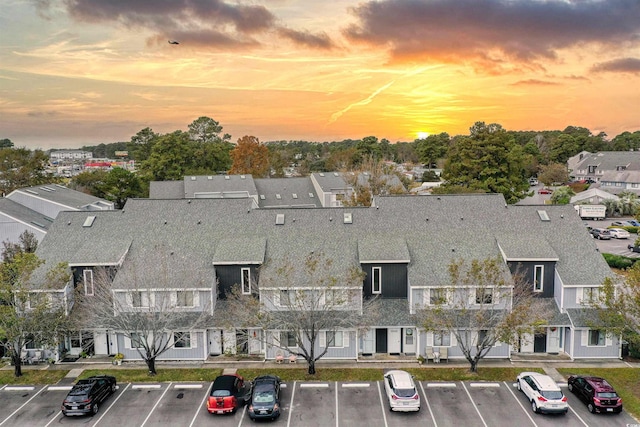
433, 418
53, 419
484, 385
293, 392
2, 388
526, 412
19, 388
156, 405
23, 405
474, 404
384, 414
59, 387
202, 402
312, 385
137, 386
432, 385
187, 386
336, 393
112, 404
348, 385
579, 417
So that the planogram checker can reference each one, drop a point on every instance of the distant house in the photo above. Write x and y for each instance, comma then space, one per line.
33, 209
593, 196
70, 155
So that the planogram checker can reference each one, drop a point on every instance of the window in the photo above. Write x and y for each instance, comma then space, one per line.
596, 338
139, 299
136, 340
184, 299
484, 296
336, 297
285, 298
87, 275
288, 339
376, 280
182, 339
442, 338
36, 299
591, 294
335, 339
246, 281
437, 296
482, 336
538, 278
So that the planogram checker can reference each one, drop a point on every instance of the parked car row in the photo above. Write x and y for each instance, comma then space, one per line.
545, 395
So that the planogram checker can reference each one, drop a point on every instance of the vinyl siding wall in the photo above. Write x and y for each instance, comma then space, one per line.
502, 350
581, 348
197, 352
347, 352
394, 280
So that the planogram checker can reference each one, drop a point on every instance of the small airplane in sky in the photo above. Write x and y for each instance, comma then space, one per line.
173, 42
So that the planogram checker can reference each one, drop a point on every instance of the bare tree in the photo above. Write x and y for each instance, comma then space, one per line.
483, 304
156, 304
29, 314
372, 178
304, 301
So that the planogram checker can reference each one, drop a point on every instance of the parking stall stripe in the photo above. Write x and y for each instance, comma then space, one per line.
433, 418
312, 385
432, 385
59, 387
520, 403
293, 392
579, 417
23, 405
474, 405
384, 414
187, 386
156, 405
137, 386
484, 385
53, 419
112, 404
19, 388
2, 388
202, 402
349, 385
336, 393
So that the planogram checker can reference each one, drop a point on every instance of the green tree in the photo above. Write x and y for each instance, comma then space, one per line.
207, 130
20, 167
90, 182
432, 148
250, 157
563, 147
626, 141
119, 185
142, 144
369, 147
488, 160
28, 316
6, 143
171, 157
562, 195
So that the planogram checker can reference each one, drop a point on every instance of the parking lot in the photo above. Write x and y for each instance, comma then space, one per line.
305, 404
614, 246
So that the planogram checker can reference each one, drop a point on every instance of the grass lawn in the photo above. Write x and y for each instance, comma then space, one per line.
626, 381
163, 375
32, 376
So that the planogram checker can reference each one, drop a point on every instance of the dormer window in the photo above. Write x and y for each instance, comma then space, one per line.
87, 276
538, 278
246, 281
376, 280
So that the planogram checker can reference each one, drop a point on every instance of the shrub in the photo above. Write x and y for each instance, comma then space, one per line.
618, 261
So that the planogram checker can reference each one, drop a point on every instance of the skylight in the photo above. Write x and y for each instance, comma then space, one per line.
89, 221
544, 216
279, 219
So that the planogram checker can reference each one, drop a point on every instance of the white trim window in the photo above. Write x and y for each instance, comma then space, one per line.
587, 295
184, 340
484, 296
246, 281
438, 296
38, 298
87, 277
376, 280
139, 299
442, 338
133, 341
334, 339
596, 338
538, 278
185, 299
284, 299
288, 339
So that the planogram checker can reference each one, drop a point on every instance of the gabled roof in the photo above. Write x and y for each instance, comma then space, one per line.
62, 196
610, 160
219, 186
20, 213
595, 193
286, 192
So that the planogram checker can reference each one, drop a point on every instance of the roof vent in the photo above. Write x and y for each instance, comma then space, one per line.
311, 195
193, 178
278, 196
294, 195
321, 174
348, 218
336, 174
31, 191
262, 197
227, 177
280, 219
209, 177
89, 221
242, 177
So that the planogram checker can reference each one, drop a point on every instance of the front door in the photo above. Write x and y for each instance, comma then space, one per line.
215, 341
381, 340
255, 341
242, 341
554, 340
409, 341
368, 342
395, 340
540, 343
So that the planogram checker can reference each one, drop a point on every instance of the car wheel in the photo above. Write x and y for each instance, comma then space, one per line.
113, 388
591, 408
518, 386
570, 387
534, 406
94, 409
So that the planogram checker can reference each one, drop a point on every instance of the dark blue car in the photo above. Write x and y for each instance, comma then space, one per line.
265, 398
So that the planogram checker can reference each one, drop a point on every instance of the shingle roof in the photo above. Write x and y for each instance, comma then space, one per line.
286, 192
69, 199
23, 214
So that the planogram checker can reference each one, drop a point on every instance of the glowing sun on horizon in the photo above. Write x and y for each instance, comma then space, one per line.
423, 135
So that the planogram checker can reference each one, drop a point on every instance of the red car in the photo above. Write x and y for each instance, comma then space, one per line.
596, 393
545, 191
228, 393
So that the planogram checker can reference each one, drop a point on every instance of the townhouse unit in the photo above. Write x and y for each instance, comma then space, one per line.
403, 245
613, 171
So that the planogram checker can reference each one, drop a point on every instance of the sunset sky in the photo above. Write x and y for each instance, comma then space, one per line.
83, 72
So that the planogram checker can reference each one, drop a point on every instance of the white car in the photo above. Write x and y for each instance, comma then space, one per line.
401, 391
543, 393
619, 233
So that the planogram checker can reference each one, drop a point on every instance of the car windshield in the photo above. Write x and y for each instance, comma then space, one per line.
220, 393
552, 395
607, 394
405, 392
76, 397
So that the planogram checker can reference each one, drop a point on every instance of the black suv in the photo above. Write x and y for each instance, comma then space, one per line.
86, 395
265, 398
